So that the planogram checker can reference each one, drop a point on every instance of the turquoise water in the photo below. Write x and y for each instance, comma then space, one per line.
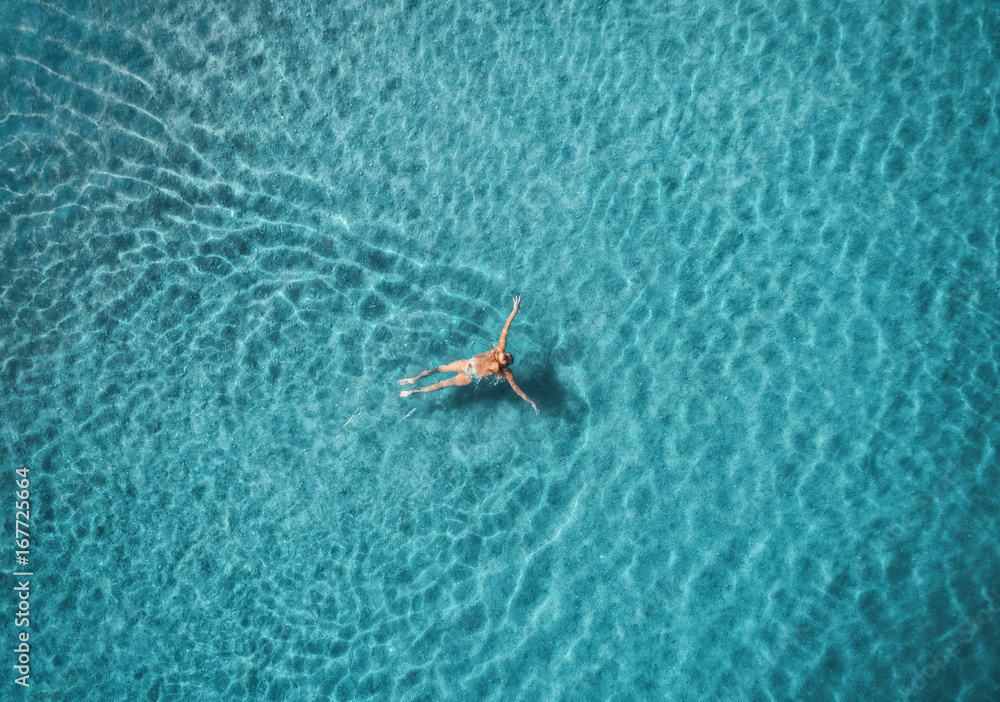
758, 245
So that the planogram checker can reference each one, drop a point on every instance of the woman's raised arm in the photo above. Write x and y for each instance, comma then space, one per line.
503, 335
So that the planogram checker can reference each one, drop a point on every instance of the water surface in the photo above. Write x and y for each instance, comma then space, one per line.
757, 244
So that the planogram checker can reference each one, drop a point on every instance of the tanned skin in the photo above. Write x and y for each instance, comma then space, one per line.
496, 361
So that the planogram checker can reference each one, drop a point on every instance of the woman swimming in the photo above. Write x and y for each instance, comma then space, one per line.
493, 362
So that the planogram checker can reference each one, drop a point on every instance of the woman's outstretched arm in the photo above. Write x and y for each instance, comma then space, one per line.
519, 391
503, 335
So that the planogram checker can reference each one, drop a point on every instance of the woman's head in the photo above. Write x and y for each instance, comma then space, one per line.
500, 361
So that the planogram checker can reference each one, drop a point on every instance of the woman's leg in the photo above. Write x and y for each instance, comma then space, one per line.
456, 367
460, 379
